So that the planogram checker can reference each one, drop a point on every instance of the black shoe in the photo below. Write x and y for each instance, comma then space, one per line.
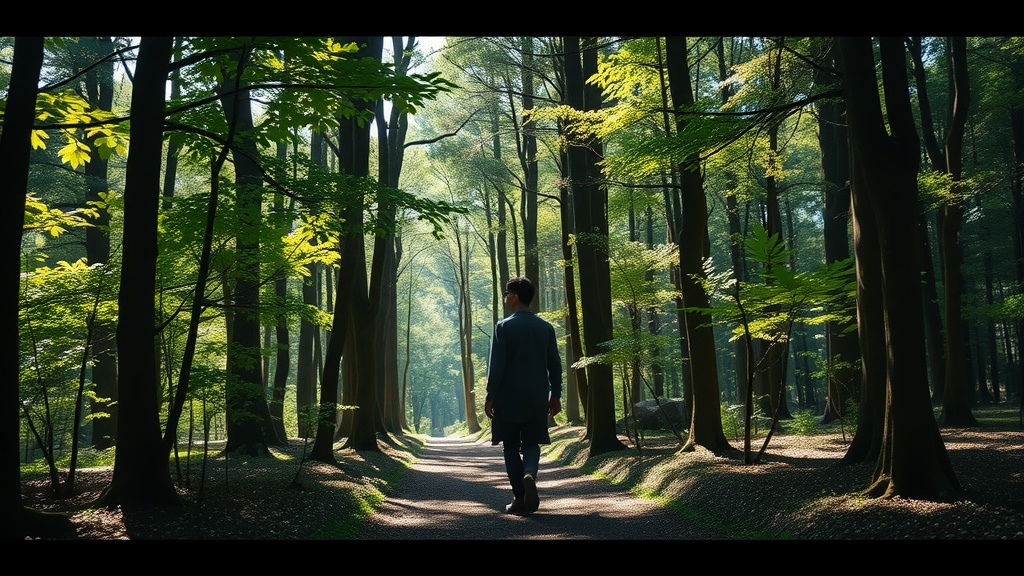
530, 499
516, 507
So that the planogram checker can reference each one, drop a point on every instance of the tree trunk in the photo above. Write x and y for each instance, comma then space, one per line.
777, 352
250, 430
691, 230
15, 148
141, 475
990, 336
460, 265
283, 358
956, 410
934, 332
502, 204
867, 441
306, 368
913, 462
364, 299
842, 348
590, 198
576, 379
99, 90
1017, 129
528, 160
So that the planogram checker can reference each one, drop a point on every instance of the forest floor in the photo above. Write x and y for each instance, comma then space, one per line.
800, 491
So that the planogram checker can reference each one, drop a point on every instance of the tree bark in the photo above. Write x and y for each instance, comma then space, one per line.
99, 91
250, 429
913, 462
15, 148
141, 475
956, 410
576, 379
867, 441
933, 322
364, 297
843, 352
282, 365
691, 232
528, 161
590, 199
306, 368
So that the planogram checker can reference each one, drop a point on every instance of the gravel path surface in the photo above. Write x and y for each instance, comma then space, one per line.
457, 490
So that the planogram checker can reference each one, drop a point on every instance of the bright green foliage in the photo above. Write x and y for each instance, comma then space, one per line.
1014, 306
805, 422
774, 76
296, 83
81, 125
768, 306
630, 264
302, 82
53, 221
56, 308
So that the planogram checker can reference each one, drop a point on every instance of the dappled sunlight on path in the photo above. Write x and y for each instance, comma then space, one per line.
457, 490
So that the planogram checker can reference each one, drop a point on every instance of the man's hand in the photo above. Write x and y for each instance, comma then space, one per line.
554, 406
489, 408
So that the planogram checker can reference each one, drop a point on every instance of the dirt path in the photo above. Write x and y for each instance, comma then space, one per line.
457, 490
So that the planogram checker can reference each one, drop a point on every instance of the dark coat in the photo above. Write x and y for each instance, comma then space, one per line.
524, 370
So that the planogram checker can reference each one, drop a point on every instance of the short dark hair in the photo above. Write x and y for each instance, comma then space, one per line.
523, 288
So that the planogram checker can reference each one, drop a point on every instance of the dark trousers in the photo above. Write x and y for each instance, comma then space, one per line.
520, 457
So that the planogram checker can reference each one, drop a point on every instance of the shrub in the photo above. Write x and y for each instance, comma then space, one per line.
804, 422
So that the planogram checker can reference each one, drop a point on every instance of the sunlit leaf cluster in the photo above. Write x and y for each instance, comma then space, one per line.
776, 298
84, 127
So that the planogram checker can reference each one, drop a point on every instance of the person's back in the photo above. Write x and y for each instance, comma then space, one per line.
524, 387
525, 342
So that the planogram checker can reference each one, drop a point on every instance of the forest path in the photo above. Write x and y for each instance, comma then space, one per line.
457, 490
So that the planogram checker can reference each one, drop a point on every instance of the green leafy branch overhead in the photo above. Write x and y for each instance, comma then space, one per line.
776, 297
84, 128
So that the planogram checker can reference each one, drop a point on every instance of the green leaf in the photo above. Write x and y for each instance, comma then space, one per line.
38, 137
75, 153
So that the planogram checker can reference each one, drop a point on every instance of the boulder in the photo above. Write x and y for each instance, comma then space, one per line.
652, 417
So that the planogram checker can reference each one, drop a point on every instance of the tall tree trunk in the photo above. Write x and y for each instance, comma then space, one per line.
653, 328
934, 332
282, 365
528, 160
306, 368
141, 475
706, 421
867, 441
250, 429
775, 354
502, 204
384, 249
771, 377
364, 298
842, 348
460, 266
634, 387
1017, 197
933, 325
15, 147
913, 462
590, 199
956, 410
99, 84
576, 379
990, 336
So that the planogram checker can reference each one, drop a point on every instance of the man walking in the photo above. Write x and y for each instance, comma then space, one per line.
524, 387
